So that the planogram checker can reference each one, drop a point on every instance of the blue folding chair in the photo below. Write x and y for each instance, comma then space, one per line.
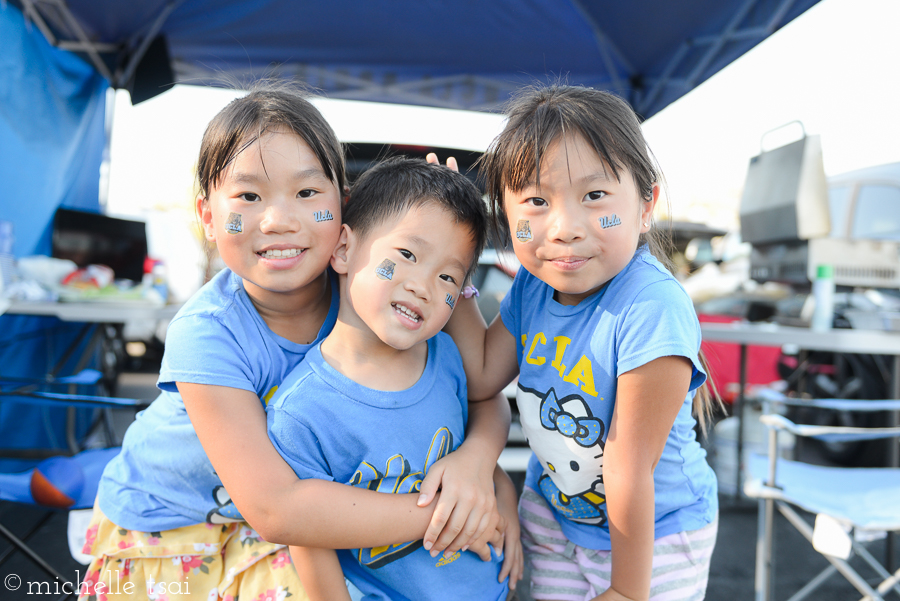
847, 501
64, 482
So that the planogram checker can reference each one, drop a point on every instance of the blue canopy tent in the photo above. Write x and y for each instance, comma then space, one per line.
59, 58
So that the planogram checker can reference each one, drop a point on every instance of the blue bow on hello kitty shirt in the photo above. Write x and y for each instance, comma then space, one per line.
586, 431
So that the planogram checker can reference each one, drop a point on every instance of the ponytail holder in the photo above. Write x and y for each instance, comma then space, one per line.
469, 292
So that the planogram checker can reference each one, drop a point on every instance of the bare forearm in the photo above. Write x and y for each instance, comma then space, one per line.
630, 505
337, 516
468, 330
488, 428
320, 572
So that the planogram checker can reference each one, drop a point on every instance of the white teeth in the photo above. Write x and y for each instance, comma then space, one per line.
406, 312
281, 254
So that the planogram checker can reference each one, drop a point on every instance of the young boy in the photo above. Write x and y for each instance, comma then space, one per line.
383, 397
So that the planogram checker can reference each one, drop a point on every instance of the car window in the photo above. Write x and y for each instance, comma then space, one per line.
877, 213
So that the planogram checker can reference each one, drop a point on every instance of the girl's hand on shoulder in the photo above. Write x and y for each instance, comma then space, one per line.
467, 507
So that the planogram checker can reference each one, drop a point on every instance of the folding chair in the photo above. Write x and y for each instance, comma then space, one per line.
846, 501
65, 482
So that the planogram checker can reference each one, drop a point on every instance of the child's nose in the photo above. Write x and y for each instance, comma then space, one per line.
567, 224
418, 287
280, 217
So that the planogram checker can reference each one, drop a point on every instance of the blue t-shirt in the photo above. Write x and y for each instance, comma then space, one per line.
163, 479
569, 360
328, 427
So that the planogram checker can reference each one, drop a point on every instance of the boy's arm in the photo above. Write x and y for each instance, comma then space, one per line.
320, 572
488, 352
648, 399
231, 425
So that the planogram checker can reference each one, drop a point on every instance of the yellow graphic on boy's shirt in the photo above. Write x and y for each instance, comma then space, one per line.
269, 395
581, 374
398, 478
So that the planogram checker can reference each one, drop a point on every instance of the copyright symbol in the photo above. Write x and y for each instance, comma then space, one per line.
12, 582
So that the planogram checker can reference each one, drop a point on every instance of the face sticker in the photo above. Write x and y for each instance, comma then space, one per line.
449, 300
385, 271
323, 216
610, 221
234, 225
523, 230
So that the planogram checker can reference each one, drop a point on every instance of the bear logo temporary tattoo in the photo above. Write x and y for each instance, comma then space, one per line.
449, 300
610, 221
385, 270
234, 225
323, 216
523, 230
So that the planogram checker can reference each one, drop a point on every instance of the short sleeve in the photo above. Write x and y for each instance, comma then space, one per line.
661, 322
511, 308
297, 445
200, 350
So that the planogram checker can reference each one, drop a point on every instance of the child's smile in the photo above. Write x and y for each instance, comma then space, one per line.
581, 226
266, 215
400, 273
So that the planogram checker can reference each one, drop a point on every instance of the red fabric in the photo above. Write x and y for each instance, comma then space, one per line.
724, 361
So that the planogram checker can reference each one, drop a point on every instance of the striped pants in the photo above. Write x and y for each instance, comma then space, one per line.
561, 570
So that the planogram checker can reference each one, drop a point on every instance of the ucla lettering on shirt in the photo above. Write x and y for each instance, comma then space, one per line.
538, 351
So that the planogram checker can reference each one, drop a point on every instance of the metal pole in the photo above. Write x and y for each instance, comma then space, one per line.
740, 415
890, 560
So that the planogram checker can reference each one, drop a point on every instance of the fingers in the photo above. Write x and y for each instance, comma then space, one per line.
451, 161
429, 488
449, 541
513, 561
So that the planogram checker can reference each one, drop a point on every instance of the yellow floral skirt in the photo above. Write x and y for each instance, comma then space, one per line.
208, 562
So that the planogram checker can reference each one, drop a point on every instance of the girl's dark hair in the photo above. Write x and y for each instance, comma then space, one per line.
394, 186
538, 117
268, 107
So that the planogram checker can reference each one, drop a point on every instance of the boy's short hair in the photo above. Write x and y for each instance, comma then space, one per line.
394, 186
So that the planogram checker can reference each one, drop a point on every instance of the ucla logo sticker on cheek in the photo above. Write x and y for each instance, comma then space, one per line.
449, 300
234, 224
385, 271
610, 221
523, 230
323, 216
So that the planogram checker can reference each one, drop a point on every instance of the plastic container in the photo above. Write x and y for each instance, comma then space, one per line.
823, 295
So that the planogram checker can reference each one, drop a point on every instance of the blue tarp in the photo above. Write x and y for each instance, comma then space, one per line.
52, 111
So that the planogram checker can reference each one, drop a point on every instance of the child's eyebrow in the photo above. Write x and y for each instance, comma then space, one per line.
246, 177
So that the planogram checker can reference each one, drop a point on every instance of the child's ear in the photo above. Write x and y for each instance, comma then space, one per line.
206, 218
341, 255
647, 208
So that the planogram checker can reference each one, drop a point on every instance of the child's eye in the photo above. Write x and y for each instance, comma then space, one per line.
448, 278
408, 255
595, 195
307, 193
535, 201
249, 196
